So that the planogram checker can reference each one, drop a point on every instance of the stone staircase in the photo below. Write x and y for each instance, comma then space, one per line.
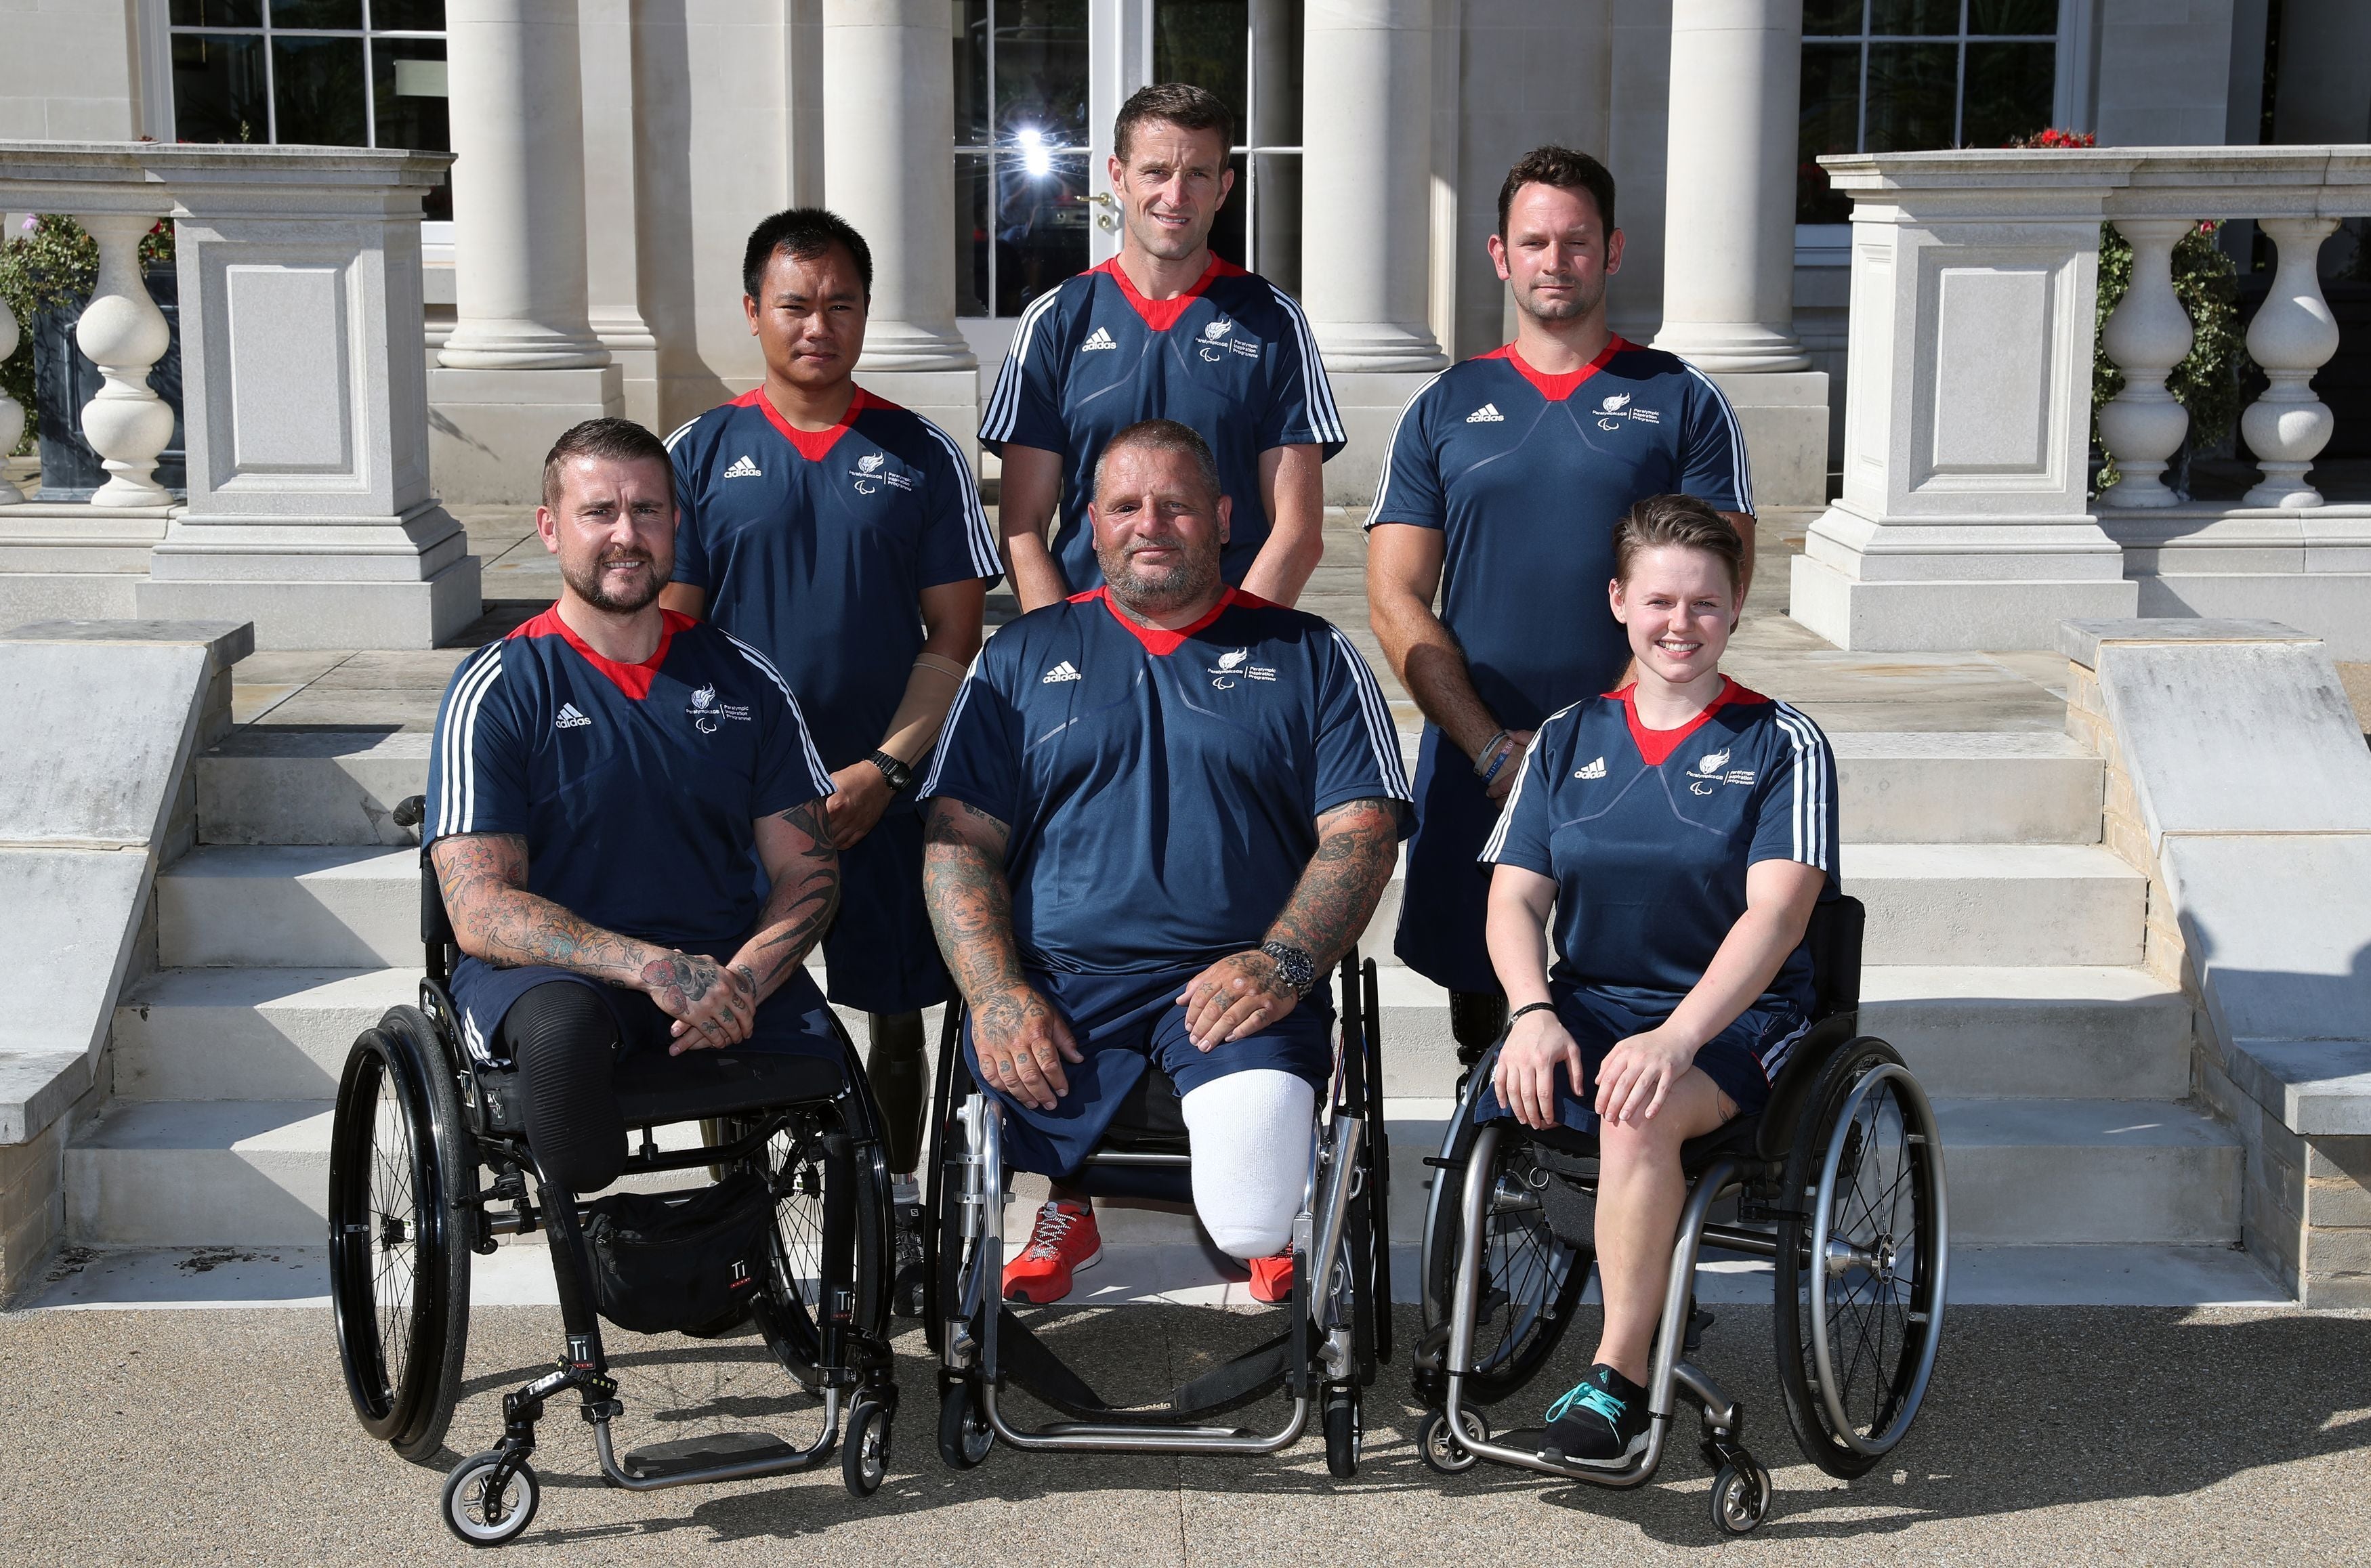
2004, 961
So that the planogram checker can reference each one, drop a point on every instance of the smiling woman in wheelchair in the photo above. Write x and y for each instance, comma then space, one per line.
1680, 832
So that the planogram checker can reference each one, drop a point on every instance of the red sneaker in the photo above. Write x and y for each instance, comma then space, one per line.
1272, 1277
1063, 1241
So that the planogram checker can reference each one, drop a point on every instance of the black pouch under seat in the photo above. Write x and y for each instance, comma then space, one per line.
667, 1262
1571, 1212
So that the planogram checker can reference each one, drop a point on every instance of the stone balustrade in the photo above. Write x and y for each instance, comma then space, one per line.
1965, 519
303, 399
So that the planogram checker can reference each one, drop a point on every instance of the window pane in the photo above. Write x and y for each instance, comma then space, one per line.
1227, 229
974, 235
408, 15
1831, 17
971, 72
1914, 16
1274, 113
2010, 91
1911, 90
1205, 42
1275, 219
317, 86
407, 84
317, 14
217, 13
1041, 71
2037, 17
1041, 226
218, 90
1831, 123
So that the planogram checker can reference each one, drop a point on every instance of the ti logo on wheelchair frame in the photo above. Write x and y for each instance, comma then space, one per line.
707, 711
1709, 771
1233, 669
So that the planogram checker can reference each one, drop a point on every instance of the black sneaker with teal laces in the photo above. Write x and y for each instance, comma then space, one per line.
1602, 1423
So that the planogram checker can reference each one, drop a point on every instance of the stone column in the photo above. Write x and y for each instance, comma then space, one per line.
1728, 249
523, 363
888, 126
1366, 217
613, 216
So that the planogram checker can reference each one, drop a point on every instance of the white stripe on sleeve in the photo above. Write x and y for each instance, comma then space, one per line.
1814, 788
1740, 463
1391, 450
986, 558
947, 730
820, 775
1004, 402
1382, 735
1324, 417
457, 743
683, 428
1497, 838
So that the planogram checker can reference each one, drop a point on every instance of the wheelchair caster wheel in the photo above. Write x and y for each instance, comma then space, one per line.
864, 1451
1741, 1498
1344, 1432
484, 1514
1441, 1448
965, 1435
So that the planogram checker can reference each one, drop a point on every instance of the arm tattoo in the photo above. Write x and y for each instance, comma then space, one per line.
1344, 880
970, 902
805, 897
483, 877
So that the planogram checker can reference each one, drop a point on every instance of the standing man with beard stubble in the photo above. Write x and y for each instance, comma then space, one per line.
1165, 330
1505, 479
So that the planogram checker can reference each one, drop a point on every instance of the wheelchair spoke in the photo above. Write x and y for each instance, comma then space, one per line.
392, 1220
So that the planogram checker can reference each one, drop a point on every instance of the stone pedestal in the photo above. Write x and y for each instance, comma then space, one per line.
310, 511
491, 428
1964, 521
1370, 403
1785, 416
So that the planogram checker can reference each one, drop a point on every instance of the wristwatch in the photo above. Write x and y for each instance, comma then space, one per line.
900, 775
1294, 967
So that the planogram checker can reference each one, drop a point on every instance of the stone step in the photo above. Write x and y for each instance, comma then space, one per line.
248, 1034
2033, 1173
1996, 903
297, 907
2090, 1032
287, 785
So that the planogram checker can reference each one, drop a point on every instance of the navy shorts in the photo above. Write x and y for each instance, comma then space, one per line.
879, 952
1121, 1022
795, 1019
1740, 1059
1445, 894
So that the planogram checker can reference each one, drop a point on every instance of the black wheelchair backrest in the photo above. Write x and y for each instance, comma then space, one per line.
436, 926
1835, 936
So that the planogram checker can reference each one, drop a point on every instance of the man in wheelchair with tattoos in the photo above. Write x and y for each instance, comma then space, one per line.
608, 780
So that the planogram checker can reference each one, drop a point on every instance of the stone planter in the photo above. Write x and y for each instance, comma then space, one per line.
64, 381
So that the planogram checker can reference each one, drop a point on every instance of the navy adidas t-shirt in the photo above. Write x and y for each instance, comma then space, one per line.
1232, 357
1647, 834
635, 786
1527, 474
1162, 787
814, 547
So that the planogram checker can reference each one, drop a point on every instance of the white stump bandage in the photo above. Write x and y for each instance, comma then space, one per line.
1251, 1137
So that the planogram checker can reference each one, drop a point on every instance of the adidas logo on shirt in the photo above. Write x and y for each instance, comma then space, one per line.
568, 718
1594, 770
743, 468
1486, 414
1098, 339
1065, 671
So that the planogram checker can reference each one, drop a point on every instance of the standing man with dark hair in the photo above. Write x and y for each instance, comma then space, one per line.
1165, 330
1505, 479
842, 537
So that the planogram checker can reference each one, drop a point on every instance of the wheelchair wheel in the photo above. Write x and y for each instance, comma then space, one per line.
864, 1451
1860, 1267
482, 1515
1346, 1431
1442, 1449
965, 1435
401, 1171
1531, 1281
794, 1167
1740, 1499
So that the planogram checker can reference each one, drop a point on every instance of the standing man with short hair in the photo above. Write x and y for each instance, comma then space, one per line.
842, 537
1165, 330
1506, 476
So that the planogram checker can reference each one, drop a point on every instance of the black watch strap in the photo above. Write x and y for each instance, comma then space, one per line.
899, 775
1530, 1008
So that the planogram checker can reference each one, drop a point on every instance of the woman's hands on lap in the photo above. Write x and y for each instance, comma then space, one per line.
1525, 1078
1638, 1073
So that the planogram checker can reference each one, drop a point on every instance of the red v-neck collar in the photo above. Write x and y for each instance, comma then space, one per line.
1557, 388
1157, 640
1656, 745
812, 444
634, 680
1161, 314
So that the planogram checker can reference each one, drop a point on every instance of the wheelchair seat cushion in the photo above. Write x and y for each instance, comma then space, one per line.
653, 1086
1149, 1119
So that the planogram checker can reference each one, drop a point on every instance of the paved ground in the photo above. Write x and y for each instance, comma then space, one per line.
2054, 1435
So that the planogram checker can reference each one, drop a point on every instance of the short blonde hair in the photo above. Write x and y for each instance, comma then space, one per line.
1677, 522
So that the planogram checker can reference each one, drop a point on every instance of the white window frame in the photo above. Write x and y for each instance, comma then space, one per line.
156, 86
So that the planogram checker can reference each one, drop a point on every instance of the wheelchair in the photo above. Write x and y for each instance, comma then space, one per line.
1338, 1323
416, 1120
1838, 1180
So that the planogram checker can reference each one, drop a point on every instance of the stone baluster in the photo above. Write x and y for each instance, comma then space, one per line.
124, 334
2146, 335
2292, 337
12, 412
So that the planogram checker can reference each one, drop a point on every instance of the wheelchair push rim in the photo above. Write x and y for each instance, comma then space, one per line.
1875, 1281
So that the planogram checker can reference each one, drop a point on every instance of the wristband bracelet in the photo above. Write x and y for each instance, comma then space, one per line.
1489, 746
1498, 762
1528, 1008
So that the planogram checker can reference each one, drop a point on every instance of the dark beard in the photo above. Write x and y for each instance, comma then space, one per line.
587, 587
